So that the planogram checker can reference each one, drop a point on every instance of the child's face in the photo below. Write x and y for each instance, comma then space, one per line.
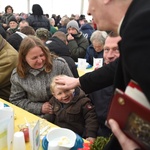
64, 96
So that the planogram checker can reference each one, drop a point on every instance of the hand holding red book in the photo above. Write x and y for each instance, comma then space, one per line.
131, 110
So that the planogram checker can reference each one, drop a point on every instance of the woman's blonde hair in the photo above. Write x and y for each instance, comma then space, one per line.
26, 44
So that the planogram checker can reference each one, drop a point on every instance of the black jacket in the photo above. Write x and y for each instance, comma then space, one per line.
58, 47
98, 79
38, 22
87, 31
63, 29
134, 62
101, 100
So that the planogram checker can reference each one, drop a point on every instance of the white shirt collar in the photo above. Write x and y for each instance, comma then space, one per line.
120, 26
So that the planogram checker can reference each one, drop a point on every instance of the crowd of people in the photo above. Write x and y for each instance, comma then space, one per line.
38, 71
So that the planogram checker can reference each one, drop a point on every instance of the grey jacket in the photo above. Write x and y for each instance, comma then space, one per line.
31, 92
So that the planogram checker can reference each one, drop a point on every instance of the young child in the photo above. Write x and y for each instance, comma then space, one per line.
73, 110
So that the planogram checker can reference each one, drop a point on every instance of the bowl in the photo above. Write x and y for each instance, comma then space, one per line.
78, 143
60, 139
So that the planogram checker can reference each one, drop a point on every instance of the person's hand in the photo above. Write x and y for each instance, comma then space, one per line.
90, 139
47, 108
67, 82
70, 37
125, 142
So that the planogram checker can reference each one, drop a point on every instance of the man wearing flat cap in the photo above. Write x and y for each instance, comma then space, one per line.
13, 26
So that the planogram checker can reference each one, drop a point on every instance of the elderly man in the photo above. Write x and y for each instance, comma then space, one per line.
95, 50
128, 18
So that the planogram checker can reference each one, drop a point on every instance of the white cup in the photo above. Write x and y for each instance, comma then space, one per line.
19, 141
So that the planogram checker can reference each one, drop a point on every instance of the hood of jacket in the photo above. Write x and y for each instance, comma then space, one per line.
86, 27
78, 94
58, 47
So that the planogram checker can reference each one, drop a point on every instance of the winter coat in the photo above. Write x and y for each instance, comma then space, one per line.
8, 61
15, 39
78, 115
87, 31
58, 47
5, 19
52, 30
38, 22
78, 46
63, 29
10, 31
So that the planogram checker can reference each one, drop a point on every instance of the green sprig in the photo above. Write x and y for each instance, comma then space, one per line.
100, 143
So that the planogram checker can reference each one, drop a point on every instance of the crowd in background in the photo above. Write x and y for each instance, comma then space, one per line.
64, 37
56, 21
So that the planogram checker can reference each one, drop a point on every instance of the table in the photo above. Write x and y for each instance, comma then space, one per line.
20, 115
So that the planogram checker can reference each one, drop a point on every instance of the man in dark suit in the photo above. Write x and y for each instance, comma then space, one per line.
131, 23
130, 19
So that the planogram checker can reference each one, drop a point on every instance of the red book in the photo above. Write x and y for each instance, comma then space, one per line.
131, 110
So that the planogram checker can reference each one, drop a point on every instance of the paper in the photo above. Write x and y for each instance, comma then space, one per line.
6, 127
82, 63
34, 133
97, 62
134, 91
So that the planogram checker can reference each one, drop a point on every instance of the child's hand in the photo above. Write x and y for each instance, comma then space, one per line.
47, 108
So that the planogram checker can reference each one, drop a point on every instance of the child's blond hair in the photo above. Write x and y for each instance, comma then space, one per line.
53, 84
